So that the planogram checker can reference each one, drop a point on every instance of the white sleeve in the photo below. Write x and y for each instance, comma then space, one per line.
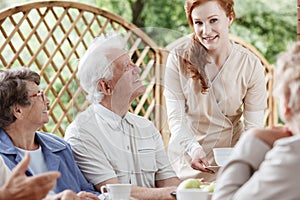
233, 177
175, 103
4, 172
255, 170
253, 119
178, 126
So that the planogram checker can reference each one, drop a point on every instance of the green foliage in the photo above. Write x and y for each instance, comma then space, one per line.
121, 8
270, 26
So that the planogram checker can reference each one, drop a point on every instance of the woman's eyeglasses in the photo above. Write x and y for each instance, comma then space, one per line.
39, 94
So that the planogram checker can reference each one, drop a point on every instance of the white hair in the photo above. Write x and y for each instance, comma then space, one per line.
95, 65
288, 77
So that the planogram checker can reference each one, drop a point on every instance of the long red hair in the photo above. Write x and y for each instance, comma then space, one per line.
227, 5
194, 57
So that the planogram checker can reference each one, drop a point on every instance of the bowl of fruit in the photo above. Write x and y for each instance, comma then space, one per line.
194, 189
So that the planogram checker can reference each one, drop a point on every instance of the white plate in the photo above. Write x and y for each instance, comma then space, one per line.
214, 168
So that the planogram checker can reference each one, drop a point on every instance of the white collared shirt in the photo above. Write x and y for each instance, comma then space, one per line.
107, 146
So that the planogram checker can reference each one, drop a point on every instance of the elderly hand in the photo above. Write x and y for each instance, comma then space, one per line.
199, 161
65, 195
69, 194
20, 186
271, 134
87, 196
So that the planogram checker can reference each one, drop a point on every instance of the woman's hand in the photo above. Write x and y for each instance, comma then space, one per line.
69, 194
22, 187
271, 134
64, 195
199, 161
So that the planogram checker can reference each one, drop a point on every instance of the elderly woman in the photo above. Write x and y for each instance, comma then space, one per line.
265, 162
23, 108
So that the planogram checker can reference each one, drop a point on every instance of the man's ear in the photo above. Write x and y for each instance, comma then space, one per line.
105, 87
17, 111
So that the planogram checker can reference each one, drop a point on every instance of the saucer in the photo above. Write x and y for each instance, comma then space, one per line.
214, 168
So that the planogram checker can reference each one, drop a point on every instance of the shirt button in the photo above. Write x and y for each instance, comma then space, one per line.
128, 147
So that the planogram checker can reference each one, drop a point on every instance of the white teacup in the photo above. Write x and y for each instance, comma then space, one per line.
191, 194
222, 155
116, 191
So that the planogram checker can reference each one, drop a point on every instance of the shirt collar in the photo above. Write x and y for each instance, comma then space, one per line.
110, 117
46, 141
7, 147
49, 141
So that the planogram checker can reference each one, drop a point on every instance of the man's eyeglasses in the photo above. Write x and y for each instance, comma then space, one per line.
39, 94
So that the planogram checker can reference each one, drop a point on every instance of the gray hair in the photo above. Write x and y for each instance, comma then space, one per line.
95, 65
288, 77
13, 90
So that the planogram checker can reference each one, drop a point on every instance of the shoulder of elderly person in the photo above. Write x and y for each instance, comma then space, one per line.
84, 122
51, 141
141, 123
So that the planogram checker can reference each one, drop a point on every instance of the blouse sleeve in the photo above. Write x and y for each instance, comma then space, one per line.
175, 103
256, 96
253, 119
255, 170
232, 179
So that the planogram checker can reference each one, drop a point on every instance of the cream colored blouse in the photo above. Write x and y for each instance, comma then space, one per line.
213, 119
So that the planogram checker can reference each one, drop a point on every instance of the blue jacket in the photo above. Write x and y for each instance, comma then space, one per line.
58, 156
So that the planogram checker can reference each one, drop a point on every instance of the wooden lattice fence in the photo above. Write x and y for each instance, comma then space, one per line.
50, 37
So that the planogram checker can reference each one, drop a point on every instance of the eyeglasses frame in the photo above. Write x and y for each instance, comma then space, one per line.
40, 93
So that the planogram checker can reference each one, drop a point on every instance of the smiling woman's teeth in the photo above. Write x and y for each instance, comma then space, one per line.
210, 38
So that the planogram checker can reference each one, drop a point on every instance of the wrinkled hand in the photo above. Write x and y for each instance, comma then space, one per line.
65, 195
69, 194
271, 134
87, 196
20, 186
199, 161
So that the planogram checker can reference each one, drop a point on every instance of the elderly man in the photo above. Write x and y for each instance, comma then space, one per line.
110, 144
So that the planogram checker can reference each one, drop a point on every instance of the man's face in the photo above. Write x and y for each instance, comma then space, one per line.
126, 83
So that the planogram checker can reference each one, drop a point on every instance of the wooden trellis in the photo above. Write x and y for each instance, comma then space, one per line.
50, 37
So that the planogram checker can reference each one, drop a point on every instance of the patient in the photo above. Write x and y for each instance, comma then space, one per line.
23, 108
265, 163
110, 144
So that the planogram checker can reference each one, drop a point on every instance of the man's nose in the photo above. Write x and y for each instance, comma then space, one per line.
137, 69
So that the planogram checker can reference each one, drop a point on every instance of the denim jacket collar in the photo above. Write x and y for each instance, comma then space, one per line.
48, 143
45, 141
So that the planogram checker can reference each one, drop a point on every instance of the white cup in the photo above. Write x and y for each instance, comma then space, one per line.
191, 194
222, 155
116, 191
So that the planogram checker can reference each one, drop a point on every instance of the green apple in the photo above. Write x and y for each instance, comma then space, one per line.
189, 183
209, 188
